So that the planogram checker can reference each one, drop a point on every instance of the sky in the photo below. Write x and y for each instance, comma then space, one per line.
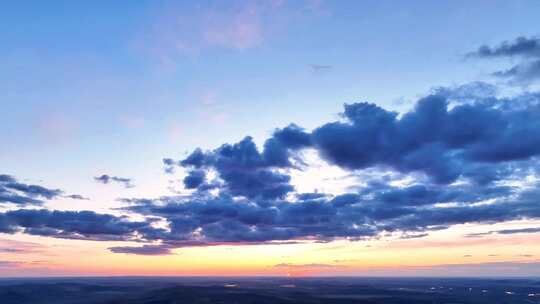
301, 138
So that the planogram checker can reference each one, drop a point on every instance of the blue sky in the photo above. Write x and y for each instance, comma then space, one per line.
113, 87
91, 68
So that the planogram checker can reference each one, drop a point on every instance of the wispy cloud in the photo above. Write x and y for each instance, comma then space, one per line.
56, 127
15, 192
19, 247
77, 197
151, 250
506, 231
230, 25
10, 264
106, 179
458, 151
525, 49
320, 68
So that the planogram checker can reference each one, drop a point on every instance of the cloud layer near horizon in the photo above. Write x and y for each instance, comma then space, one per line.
463, 153
460, 155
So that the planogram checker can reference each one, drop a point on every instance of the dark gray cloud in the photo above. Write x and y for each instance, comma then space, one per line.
458, 147
77, 197
244, 170
5, 178
209, 221
444, 143
86, 225
15, 192
194, 179
464, 134
105, 179
520, 47
225, 220
33, 190
13, 198
169, 164
507, 231
443, 137
522, 73
526, 50
143, 250
521, 230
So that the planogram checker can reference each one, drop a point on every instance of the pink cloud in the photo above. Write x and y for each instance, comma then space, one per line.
237, 30
234, 25
210, 109
132, 122
57, 127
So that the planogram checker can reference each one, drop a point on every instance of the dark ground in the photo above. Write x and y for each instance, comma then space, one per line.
169, 290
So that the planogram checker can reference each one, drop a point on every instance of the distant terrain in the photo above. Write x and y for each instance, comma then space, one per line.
170, 290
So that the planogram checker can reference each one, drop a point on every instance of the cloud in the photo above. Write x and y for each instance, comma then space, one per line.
507, 231
320, 68
522, 73
84, 225
18, 247
33, 190
460, 155
194, 179
433, 139
14, 192
244, 169
143, 250
57, 127
182, 29
4, 178
521, 230
10, 264
168, 164
187, 30
105, 179
461, 147
227, 220
77, 197
241, 29
520, 47
446, 141
527, 52
413, 236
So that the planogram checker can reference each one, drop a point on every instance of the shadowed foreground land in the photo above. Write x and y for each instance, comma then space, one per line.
161, 290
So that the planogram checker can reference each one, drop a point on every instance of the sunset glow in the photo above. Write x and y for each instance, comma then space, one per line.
270, 139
